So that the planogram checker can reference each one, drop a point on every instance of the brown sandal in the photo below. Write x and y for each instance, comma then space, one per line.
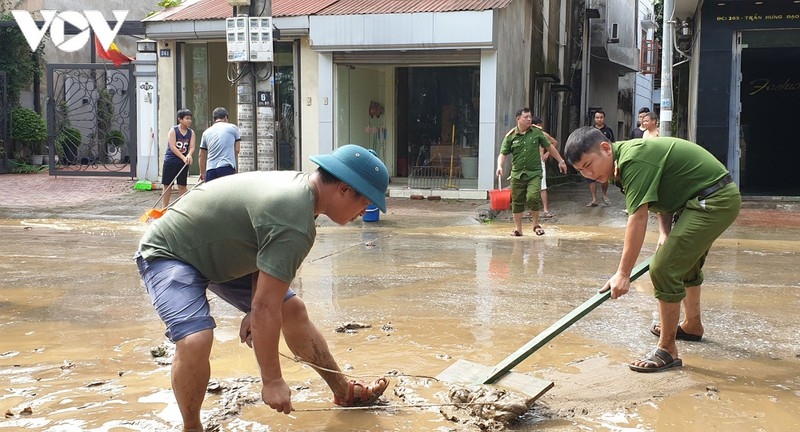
516, 233
369, 394
538, 230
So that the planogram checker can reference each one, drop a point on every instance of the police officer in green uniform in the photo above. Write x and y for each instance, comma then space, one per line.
695, 201
523, 144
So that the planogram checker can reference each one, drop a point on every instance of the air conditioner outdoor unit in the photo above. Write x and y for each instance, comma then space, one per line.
648, 23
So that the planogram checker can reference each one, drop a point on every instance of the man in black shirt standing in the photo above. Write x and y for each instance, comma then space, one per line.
639, 129
600, 123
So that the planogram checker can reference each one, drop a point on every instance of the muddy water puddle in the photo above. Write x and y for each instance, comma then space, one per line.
76, 330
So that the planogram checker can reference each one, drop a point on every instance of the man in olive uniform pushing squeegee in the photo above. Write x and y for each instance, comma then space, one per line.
667, 176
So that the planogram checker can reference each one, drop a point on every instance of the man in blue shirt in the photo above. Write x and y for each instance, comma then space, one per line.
219, 147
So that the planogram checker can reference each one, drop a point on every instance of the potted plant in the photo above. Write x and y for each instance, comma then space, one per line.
115, 139
67, 143
115, 142
29, 131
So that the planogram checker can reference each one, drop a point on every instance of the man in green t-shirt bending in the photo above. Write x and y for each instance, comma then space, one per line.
244, 237
670, 177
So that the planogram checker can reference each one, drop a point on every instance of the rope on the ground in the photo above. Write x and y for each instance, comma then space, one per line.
390, 406
301, 361
336, 252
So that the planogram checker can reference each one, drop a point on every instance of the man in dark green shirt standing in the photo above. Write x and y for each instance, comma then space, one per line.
523, 143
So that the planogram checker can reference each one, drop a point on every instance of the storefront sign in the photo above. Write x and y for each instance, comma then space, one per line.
758, 17
766, 85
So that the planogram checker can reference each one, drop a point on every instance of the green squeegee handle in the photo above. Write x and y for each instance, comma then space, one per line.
554, 330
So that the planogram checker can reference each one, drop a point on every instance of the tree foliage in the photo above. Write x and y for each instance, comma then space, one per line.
27, 126
658, 17
20, 64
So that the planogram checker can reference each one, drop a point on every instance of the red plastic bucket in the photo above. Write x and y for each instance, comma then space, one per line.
500, 199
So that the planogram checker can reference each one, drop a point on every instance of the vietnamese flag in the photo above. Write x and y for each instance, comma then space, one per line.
113, 54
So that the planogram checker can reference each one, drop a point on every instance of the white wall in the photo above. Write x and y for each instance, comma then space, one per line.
167, 100
465, 29
309, 105
511, 85
603, 91
622, 13
488, 121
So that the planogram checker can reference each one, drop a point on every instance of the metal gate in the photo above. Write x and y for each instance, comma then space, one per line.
91, 117
5, 124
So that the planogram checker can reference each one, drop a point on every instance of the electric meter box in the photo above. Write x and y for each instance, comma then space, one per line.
260, 39
249, 39
237, 39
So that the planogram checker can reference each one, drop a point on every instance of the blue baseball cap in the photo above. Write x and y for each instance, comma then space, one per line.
360, 169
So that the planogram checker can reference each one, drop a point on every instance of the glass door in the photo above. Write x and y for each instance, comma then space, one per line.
286, 116
196, 76
206, 63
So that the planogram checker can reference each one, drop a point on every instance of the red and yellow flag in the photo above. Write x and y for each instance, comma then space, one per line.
113, 54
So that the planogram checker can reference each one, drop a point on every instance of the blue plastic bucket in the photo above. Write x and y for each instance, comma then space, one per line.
373, 214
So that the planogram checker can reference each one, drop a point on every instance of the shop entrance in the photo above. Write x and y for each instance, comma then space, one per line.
422, 120
770, 89
437, 118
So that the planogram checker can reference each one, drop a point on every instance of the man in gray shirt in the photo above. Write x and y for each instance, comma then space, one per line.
219, 147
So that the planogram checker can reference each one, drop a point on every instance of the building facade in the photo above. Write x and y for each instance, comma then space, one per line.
431, 98
747, 64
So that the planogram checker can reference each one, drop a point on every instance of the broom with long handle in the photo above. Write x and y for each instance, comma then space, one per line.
155, 213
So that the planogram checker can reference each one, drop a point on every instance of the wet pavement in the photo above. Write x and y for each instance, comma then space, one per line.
437, 280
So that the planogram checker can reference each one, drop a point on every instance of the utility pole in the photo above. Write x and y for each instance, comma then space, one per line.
666, 68
245, 99
265, 154
585, 58
254, 103
586, 61
245, 116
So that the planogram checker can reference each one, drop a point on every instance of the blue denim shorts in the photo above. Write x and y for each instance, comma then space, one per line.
222, 171
178, 292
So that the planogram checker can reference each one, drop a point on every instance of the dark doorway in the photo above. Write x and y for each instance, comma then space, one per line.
437, 112
769, 94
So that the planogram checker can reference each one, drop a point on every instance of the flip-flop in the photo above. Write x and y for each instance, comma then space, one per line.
657, 361
679, 335
516, 233
591, 204
608, 201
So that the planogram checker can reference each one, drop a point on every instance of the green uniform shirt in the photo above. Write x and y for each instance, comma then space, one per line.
524, 150
664, 172
238, 224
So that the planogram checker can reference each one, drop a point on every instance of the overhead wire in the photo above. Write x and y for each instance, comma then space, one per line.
233, 76
268, 67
